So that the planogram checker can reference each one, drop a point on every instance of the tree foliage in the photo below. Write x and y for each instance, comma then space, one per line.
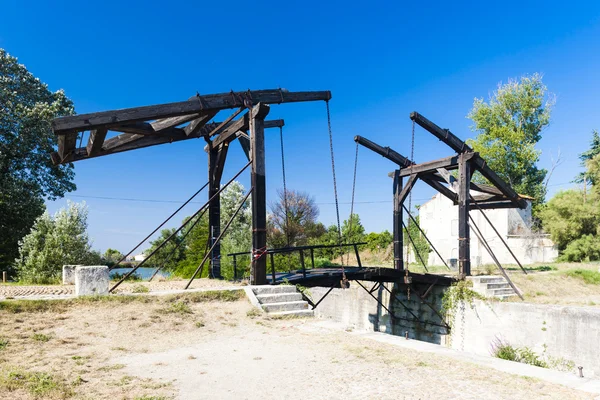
379, 241
418, 246
300, 225
27, 175
586, 157
352, 230
508, 127
54, 242
111, 257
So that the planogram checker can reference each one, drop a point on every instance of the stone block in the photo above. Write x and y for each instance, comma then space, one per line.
91, 280
68, 277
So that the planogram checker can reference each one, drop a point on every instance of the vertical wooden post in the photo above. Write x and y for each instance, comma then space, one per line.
3, 276
214, 214
398, 237
259, 195
464, 251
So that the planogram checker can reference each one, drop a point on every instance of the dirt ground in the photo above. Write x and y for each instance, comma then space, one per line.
216, 346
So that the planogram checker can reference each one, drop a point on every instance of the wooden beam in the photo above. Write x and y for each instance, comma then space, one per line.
491, 205
498, 182
386, 152
464, 196
66, 144
227, 134
428, 179
244, 140
194, 126
429, 167
407, 188
83, 122
258, 274
172, 122
397, 221
442, 134
96, 141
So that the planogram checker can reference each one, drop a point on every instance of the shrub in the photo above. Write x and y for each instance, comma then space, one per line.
586, 248
378, 241
590, 277
525, 355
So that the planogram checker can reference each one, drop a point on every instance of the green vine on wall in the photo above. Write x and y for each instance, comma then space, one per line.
456, 293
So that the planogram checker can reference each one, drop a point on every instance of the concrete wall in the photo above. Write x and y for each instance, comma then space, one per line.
571, 333
439, 220
356, 309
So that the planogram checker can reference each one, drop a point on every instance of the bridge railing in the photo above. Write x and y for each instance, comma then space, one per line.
301, 250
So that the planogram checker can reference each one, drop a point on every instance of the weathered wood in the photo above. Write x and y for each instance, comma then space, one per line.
386, 152
66, 144
259, 195
96, 141
217, 130
244, 140
429, 179
228, 133
442, 134
429, 167
491, 176
195, 125
491, 205
172, 122
407, 188
398, 236
204, 103
464, 248
216, 163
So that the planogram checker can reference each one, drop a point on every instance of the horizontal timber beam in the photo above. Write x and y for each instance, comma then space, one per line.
126, 142
447, 163
386, 152
222, 101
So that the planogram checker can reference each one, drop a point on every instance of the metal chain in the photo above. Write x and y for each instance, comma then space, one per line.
285, 202
352, 202
337, 205
412, 156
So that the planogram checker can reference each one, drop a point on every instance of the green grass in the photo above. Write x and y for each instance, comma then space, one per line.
146, 397
40, 385
523, 355
3, 343
140, 289
590, 277
40, 337
179, 307
32, 306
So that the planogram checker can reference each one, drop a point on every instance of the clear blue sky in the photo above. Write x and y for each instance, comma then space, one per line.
381, 60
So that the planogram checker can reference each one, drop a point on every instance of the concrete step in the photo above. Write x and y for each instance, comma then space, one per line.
488, 279
294, 313
498, 292
268, 289
504, 285
285, 306
278, 297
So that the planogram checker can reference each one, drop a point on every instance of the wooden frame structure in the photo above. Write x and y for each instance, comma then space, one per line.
146, 126
437, 175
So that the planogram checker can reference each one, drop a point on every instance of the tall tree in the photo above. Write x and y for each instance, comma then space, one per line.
27, 175
352, 230
509, 126
586, 156
54, 242
299, 224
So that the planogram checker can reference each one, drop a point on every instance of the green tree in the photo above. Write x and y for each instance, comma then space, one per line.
508, 127
111, 257
238, 237
419, 244
169, 255
379, 241
352, 230
27, 175
54, 242
568, 216
586, 157
194, 247
300, 224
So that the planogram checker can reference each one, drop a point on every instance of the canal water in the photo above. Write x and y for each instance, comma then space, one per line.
144, 273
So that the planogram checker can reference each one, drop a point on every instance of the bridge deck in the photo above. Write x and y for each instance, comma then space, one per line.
332, 275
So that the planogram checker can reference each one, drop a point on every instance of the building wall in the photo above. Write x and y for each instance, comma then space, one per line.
439, 220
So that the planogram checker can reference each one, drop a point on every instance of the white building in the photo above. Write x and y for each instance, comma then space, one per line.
139, 257
439, 220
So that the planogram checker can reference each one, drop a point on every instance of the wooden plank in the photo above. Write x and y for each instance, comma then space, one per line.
96, 141
431, 166
244, 140
172, 122
194, 126
66, 144
227, 134
82, 122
